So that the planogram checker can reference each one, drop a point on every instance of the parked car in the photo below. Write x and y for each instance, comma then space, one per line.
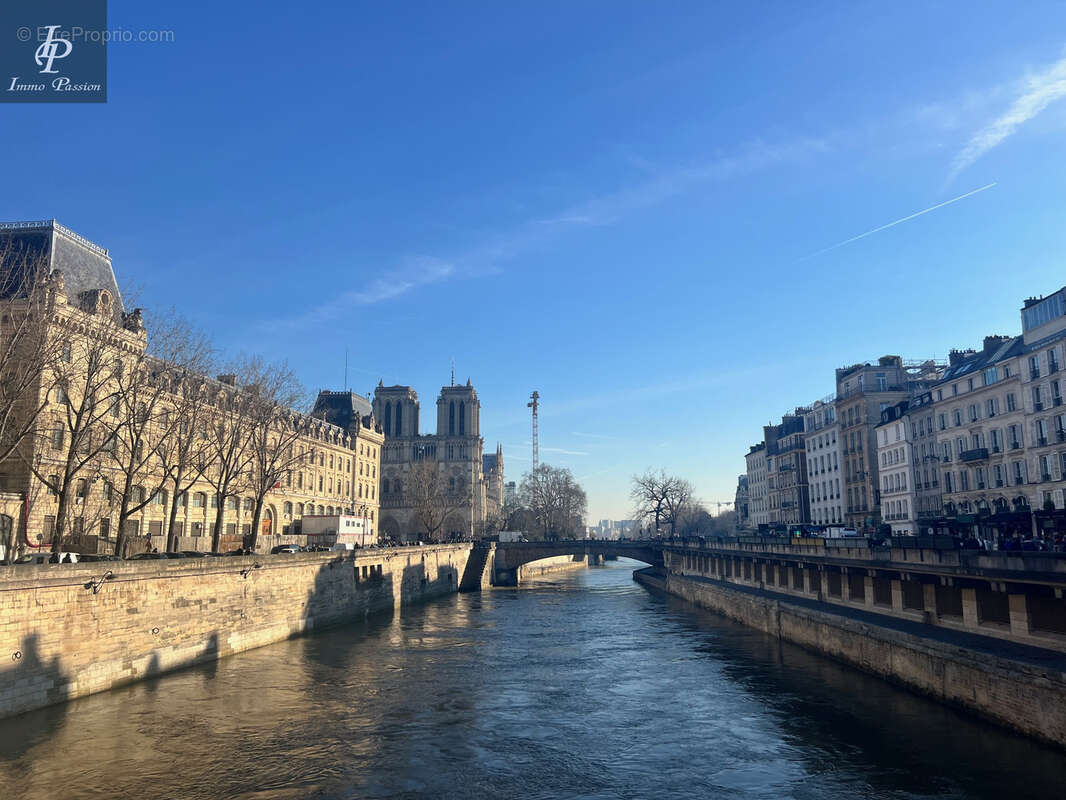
89, 557
150, 557
46, 558
284, 548
194, 554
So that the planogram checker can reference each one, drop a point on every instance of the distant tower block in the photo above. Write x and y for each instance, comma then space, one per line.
534, 403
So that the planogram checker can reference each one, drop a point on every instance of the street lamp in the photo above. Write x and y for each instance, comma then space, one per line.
363, 513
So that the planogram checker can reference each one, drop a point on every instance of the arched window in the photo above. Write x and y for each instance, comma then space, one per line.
399, 420
388, 419
462, 417
287, 509
321, 510
451, 418
397, 486
385, 486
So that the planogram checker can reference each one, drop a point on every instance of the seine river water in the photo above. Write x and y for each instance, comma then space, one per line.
583, 685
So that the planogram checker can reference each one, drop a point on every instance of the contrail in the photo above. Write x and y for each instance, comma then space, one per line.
898, 221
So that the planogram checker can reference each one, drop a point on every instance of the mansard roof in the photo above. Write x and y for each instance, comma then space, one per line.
341, 408
972, 363
85, 266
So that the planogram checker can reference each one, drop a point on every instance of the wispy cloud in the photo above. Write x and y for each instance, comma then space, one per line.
899, 221
410, 274
1038, 92
487, 256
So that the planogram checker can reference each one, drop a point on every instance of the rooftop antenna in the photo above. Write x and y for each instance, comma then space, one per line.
453, 372
534, 403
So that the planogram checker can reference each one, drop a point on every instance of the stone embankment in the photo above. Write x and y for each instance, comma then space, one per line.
555, 564
71, 630
1016, 685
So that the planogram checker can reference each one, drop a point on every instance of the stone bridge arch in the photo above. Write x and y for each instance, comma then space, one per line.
512, 555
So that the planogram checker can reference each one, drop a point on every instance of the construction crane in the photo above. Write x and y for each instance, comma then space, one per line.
534, 403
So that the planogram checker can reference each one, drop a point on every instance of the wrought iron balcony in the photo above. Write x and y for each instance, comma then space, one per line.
975, 454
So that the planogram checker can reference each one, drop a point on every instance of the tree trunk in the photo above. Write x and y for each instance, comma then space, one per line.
216, 532
61, 514
172, 542
256, 522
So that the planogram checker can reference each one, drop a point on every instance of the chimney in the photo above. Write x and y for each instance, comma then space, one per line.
994, 341
958, 356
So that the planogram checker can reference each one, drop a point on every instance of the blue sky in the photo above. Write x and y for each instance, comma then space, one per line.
626, 206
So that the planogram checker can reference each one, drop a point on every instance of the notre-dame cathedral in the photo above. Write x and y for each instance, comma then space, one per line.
457, 448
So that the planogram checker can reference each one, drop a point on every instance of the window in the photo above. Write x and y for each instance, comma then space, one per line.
956, 417
68, 353
1052, 361
990, 376
942, 421
57, 439
1034, 366
992, 406
1011, 405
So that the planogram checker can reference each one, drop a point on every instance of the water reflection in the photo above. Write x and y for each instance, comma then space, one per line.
583, 685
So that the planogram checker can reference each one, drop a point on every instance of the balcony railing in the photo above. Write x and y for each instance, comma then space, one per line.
1038, 406
1041, 441
976, 454
1034, 373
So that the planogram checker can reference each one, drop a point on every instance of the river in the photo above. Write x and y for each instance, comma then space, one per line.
578, 685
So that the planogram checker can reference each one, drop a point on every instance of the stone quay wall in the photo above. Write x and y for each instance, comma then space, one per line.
547, 566
1021, 689
66, 633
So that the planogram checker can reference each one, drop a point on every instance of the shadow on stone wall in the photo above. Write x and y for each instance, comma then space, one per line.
342, 593
416, 584
29, 675
206, 660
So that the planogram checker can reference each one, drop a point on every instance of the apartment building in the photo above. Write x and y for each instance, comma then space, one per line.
895, 464
786, 466
758, 511
925, 460
821, 436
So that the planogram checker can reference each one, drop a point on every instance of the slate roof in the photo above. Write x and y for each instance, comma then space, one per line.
86, 266
488, 463
341, 408
976, 362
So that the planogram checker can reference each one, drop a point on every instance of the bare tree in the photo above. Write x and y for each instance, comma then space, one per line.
277, 419
78, 429
228, 451
432, 500
27, 346
555, 500
183, 456
660, 499
147, 417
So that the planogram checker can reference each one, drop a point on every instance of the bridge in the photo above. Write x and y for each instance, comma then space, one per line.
510, 556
